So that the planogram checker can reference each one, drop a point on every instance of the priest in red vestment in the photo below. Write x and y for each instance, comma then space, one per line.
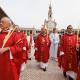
21, 57
68, 53
42, 46
8, 48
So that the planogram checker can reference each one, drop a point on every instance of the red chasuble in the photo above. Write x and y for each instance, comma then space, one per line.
43, 45
21, 56
7, 67
68, 46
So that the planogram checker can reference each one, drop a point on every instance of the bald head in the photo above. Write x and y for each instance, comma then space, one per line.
5, 22
6, 19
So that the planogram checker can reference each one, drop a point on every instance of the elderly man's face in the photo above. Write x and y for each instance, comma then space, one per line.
4, 23
44, 31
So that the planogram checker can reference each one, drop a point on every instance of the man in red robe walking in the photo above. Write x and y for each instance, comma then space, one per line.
68, 53
8, 48
42, 46
21, 57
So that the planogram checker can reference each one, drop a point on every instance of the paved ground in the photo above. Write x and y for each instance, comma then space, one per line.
33, 72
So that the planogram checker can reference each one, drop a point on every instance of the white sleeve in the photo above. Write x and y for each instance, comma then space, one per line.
51, 37
61, 53
32, 41
57, 38
11, 56
36, 49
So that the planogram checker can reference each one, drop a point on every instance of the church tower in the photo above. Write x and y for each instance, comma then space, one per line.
50, 23
50, 13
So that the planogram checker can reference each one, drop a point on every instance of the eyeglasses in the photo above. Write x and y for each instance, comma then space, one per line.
69, 28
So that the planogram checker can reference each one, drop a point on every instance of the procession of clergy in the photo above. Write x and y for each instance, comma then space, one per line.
16, 45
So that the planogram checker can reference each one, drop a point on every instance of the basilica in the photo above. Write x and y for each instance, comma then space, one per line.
50, 23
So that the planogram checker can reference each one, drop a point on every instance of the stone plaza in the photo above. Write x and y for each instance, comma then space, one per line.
33, 72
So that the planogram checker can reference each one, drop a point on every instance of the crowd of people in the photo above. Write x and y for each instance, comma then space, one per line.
16, 48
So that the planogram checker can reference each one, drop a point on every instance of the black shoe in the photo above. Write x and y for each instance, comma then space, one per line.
64, 74
29, 58
70, 78
44, 69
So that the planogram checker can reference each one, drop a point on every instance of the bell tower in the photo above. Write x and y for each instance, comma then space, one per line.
50, 13
50, 23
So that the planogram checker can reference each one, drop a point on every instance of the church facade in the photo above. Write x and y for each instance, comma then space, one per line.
50, 23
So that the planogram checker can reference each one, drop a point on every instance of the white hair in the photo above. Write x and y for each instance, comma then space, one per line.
7, 19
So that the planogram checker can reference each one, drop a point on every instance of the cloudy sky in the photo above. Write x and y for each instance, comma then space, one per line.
30, 13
